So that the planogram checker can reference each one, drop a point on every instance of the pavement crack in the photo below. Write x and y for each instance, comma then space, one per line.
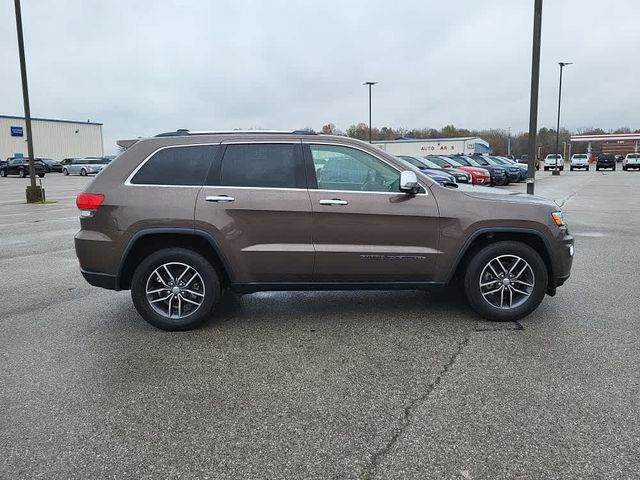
405, 420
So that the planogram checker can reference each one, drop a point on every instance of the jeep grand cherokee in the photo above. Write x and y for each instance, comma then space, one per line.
179, 217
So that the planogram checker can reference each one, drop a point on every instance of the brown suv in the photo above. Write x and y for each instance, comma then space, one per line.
179, 217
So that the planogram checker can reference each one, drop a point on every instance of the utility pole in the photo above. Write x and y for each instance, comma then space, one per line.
34, 192
533, 107
555, 168
509, 141
370, 84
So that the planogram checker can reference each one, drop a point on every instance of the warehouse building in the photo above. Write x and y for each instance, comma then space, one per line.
56, 139
434, 146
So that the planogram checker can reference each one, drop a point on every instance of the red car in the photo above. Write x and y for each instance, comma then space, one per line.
479, 176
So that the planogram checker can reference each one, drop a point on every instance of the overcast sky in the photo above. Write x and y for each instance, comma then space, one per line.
143, 67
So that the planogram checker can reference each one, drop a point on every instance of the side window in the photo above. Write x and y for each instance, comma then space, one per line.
265, 165
345, 168
187, 165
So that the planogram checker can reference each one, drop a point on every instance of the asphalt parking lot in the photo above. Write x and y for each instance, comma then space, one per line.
322, 384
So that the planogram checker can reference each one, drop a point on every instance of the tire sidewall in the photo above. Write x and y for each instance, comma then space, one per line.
480, 260
182, 255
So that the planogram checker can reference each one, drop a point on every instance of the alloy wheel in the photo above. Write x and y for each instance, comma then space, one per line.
175, 290
507, 281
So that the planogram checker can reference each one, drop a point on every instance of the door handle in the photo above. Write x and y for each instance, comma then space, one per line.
219, 198
333, 201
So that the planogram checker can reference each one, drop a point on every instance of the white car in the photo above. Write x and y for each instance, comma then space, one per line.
632, 160
553, 160
579, 160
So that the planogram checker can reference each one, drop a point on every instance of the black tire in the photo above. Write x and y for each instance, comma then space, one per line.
65, 171
587, 169
571, 169
3, 173
22, 172
597, 168
41, 175
210, 280
83, 173
475, 269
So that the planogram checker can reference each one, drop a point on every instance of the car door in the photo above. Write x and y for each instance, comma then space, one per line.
364, 228
256, 206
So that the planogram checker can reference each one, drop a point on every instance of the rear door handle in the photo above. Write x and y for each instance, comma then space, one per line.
334, 201
219, 198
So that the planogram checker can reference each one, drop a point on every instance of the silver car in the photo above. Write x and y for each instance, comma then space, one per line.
84, 166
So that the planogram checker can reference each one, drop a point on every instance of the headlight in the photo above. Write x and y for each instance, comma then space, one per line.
558, 218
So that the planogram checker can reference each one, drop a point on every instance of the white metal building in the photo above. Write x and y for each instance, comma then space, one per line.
434, 146
56, 139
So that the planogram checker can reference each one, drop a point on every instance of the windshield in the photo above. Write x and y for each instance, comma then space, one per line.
412, 161
431, 164
633, 155
475, 162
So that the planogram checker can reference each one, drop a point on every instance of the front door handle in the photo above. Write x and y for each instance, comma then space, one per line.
334, 201
219, 198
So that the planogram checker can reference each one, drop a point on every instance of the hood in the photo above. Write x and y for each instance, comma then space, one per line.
478, 170
487, 193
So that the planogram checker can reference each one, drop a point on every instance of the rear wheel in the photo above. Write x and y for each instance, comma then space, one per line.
505, 281
175, 289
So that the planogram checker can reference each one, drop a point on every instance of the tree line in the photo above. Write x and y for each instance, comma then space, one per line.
497, 138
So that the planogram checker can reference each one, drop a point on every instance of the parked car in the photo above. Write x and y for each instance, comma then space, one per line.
553, 161
524, 168
579, 160
83, 166
479, 176
51, 165
498, 174
513, 172
248, 212
632, 160
440, 175
20, 166
460, 175
606, 160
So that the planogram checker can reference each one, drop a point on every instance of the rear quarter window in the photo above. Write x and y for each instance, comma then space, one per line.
185, 165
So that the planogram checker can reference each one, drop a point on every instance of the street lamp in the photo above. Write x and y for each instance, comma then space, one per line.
370, 84
555, 169
533, 106
34, 192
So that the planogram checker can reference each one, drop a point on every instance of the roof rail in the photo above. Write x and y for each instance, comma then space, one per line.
181, 132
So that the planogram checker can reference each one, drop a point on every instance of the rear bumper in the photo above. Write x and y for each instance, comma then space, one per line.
102, 280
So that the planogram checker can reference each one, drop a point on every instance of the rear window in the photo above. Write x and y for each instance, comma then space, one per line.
606, 156
261, 165
185, 165
579, 156
633, 155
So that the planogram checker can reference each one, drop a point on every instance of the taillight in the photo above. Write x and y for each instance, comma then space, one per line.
88, 203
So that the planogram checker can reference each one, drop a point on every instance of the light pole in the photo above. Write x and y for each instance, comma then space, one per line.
34, 192
555, 169
509, 141
370, 84
533, 107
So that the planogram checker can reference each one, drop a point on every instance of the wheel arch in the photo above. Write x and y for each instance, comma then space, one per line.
150, 240
487, 236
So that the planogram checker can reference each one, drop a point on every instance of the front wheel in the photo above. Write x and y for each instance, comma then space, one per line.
175, 289
65, 171
505, 281
3, 173
83, 172
22, 173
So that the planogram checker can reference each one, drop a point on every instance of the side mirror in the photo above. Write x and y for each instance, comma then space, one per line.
409, 182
